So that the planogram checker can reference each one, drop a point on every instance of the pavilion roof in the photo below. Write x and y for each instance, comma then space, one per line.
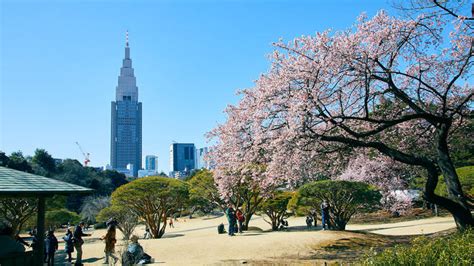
18, 183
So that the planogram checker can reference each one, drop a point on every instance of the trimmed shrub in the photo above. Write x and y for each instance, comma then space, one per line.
60, 217
344, 197
457, 249
152, 199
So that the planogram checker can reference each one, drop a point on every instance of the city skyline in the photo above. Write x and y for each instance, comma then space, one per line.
221, 49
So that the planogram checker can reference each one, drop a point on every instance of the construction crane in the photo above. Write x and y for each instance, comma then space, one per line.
86, 155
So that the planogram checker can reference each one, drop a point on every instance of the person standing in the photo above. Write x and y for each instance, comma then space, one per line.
68, 244
110, 240
78, 242
231, 219
50, 245
171, 223
309, 221
147, 233
325, 214
240, 219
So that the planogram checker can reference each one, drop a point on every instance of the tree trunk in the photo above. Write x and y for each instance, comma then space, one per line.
458, 205
248, 216
275, 225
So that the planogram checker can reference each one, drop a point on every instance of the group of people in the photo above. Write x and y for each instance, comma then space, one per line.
13, 245
236, 220
325, 217
132, 256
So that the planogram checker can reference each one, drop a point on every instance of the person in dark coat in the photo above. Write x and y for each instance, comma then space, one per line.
68, 244
78, 242
231, 219
325, 214
50, 245
309, 221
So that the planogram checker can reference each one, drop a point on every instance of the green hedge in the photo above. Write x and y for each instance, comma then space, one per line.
56, 218
457, 249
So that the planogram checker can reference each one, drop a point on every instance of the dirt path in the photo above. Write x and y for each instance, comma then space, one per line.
196, 242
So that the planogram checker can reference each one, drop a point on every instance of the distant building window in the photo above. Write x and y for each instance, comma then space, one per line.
186, 153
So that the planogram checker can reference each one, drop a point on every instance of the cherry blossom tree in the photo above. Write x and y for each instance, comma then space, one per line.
396, 86
239, 161
384, 173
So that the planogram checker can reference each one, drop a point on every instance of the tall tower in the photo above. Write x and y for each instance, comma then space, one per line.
126, 130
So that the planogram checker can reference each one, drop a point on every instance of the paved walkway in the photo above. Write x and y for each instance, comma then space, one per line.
415, 227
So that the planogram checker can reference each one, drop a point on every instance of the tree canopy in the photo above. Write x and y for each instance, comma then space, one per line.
153, 199
345, 198
397, 86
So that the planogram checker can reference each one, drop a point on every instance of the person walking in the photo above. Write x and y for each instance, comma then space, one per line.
110, 240
171, 223
240, 219
309, 221
68, 244
50, 245
78, 242
230, 213
325, 214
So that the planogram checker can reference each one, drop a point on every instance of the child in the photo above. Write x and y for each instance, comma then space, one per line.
68, 244
51, 245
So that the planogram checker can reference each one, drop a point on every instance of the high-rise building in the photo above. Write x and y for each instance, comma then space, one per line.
126, 130
151, 162
182, 159
201, 162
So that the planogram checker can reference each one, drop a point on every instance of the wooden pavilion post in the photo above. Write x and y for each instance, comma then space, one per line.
40, 232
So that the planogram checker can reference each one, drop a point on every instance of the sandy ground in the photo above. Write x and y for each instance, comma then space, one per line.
196, 242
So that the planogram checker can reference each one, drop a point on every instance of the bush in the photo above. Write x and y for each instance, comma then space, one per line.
60, 217
457, 249
297, 207
466, 177
100, 225
345, 198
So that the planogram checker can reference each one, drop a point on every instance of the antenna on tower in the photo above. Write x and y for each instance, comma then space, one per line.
126, 38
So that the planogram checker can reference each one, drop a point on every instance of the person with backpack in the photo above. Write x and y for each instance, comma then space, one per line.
135, 254
50, 245
68, 244
78, 242
240, 219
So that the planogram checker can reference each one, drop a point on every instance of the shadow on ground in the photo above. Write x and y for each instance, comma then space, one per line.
92, 260
172, 235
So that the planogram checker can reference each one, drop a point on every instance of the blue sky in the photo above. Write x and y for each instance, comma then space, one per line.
60, 61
